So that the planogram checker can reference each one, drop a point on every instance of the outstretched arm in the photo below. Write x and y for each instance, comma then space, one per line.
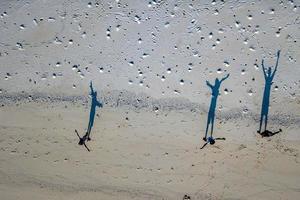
209, 85
263, 68
91, 87
278, 54
99, 104
223, 79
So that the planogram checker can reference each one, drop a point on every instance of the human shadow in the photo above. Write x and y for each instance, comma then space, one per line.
267, 91
213, 104
267, 133
95, 103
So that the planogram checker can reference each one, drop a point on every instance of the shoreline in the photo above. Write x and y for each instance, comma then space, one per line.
116, 99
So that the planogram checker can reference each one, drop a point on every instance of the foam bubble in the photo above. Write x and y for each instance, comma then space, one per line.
141, 83
216, 12
250, 92
83, 35
167, 24
226, 63
176, 92
20, 46
51, 19
131, 63
58, 64
22, 26
225, 91
252, 48
74, 67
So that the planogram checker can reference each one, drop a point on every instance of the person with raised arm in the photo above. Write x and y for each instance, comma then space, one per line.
95, 103
212, 108
269, 76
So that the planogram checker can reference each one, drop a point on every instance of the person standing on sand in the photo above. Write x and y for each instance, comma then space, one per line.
266, 98
212, 108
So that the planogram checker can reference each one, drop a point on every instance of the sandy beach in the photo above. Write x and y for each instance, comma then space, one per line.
139, 155
141, 79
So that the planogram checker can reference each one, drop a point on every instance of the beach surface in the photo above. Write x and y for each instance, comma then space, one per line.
139, 154
155, 66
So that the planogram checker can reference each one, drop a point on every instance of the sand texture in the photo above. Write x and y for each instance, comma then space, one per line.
153, 64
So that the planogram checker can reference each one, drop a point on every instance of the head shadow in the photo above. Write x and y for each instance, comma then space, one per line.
210, 140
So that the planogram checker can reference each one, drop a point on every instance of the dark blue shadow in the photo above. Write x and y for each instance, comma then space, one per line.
213, 104
266, 98
95, 103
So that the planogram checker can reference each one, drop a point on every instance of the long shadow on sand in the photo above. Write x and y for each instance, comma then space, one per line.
267, 91
213, 104
95, 103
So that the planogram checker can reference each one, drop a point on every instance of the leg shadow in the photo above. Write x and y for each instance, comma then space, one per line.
268, 133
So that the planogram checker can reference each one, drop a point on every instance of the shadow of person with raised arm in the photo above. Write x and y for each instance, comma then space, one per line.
94, 104
212, 108
266, 98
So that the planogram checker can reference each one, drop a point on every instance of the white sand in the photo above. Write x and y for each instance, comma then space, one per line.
144, 56
149, 156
